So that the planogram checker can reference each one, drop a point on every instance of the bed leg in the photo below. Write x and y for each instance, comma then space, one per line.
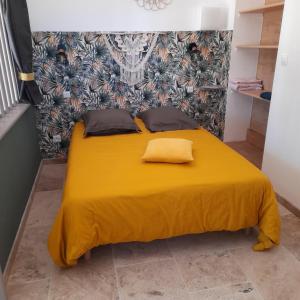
248, 231
88, 255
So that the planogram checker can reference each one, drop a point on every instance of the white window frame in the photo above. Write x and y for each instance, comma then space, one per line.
9, 95
10, 109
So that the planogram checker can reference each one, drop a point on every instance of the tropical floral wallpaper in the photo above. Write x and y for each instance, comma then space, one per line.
76, 73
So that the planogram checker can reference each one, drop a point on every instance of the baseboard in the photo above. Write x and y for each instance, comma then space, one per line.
290, 207
54, 161
19, 234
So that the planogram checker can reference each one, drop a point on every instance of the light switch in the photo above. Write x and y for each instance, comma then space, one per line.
190, 89
284, 59
67, 94
57, 139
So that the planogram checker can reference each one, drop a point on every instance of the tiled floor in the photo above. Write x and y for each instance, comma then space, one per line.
206, 266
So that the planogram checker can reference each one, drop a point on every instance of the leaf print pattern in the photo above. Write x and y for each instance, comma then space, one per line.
92, 77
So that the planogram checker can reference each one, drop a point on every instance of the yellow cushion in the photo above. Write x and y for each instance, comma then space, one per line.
176, 151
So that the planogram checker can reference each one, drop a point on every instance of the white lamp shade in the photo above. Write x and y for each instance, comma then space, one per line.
214, 18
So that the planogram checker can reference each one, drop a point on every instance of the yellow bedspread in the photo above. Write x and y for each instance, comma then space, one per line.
111, 196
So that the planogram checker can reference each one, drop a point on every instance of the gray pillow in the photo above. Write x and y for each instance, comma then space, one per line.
108, 122
167, 118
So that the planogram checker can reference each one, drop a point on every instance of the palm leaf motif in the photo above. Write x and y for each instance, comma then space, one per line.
93, 78
162, 47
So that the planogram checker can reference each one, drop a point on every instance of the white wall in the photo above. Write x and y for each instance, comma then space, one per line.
119, 15
282, 153
247, 30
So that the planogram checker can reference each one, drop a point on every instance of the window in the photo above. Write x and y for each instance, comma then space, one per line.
8, 82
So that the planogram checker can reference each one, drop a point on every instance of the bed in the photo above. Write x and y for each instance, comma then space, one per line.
111, 196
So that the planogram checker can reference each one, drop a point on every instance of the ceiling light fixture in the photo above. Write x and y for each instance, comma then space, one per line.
153, 4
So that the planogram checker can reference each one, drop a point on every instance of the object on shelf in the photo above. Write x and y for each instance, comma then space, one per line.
254, 94
266, 95
245, 84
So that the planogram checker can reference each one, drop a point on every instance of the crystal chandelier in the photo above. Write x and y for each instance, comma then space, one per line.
153, 4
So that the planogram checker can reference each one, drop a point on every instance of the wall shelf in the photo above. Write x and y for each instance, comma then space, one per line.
263, 18
212, 87
254, 46
255, 94
263, 9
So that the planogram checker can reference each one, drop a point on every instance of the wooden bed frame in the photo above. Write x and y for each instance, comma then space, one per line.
88, 255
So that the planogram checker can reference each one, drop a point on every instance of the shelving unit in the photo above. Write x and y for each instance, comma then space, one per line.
253, 46
272, 12
255, 94
264, 8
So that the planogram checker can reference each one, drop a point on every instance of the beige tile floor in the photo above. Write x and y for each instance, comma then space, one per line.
205, 266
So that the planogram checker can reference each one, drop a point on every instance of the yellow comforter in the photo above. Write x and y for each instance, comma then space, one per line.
111, 196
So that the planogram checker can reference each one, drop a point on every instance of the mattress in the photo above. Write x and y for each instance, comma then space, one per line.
111, 196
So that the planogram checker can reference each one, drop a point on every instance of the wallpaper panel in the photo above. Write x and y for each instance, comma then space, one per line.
90, 74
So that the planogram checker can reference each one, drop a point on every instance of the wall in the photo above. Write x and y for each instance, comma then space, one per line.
93, 79
124, 15
243, 64
19, 161
282, 159
2, 288
120, 15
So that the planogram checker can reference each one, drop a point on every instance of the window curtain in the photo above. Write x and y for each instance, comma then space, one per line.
19, 35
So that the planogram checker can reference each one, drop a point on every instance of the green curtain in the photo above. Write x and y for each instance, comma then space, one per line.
19, 35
